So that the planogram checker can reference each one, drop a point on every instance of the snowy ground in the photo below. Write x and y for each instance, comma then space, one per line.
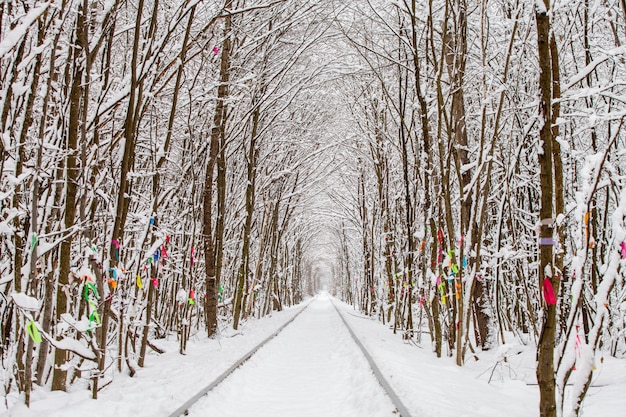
314, 369
434, 387
165, 383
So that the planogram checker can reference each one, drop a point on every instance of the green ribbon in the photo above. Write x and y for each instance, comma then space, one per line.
94, 317
33, 331
33, 241
94, 290
442, 287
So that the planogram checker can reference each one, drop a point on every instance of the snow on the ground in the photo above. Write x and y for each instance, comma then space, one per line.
313, 368
607, 394
437, 387
165, 383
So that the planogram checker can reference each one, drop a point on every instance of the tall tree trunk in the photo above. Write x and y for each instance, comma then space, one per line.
408, 212
28, 120
548, 280
242, 291
128, 157
220, 221
18, 254
443, 187
456, 48
429, 219
382, 176
219, 126
559, 190
71, 186
49, 282
152, 288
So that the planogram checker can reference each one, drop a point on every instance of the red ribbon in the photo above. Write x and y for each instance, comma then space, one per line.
440, 236
548, 292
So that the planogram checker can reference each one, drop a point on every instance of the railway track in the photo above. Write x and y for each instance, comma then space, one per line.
400, 408
184, 409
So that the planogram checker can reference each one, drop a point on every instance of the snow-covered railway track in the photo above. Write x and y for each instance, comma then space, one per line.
400, 407
184, 409
313, 369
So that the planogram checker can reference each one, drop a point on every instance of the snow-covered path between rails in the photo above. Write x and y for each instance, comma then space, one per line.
312, 369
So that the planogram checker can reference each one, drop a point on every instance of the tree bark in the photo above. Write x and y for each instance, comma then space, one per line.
59, 375
242, 291
128, 158
545, 348
219, 126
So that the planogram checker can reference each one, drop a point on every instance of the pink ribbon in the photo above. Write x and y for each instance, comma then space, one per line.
548, 292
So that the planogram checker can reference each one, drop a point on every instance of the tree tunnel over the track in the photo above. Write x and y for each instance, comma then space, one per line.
452, 168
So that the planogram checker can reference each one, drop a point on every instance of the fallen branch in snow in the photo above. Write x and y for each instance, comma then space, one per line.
156, 348
502, 355
106, 384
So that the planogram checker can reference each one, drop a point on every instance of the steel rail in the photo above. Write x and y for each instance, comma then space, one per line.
402, 410
184, 409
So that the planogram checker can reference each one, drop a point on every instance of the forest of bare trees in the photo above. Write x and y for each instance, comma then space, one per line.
454, 168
